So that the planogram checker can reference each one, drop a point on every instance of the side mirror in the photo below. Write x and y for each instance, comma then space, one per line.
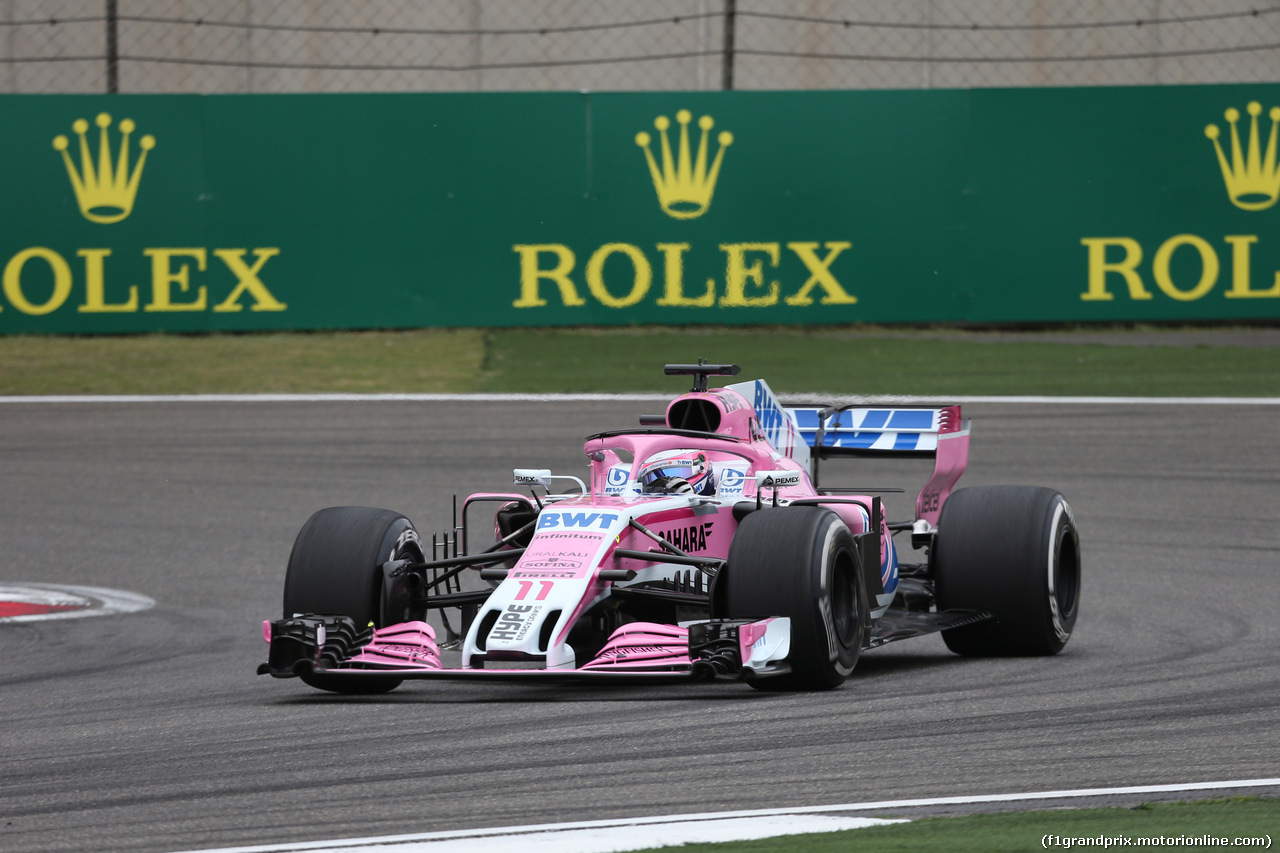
543, 477
777, 479
532, 477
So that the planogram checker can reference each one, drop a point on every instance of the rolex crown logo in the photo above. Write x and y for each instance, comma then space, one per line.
105, 192
1252, 178
684, 185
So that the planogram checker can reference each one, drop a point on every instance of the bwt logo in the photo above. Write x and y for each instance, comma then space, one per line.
616, 479
601, 520
731, 481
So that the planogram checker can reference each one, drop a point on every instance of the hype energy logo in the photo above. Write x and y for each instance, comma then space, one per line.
1117, 266
106, 172
638, 272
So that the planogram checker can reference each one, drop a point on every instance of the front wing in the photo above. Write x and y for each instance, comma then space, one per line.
638, 652
333, 646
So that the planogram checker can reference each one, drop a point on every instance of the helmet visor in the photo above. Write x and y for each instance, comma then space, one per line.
684, 471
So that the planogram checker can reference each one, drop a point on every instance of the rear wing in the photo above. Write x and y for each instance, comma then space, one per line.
940, 433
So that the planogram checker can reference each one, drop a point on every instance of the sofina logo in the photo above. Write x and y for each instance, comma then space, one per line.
1252, 178
106, 192
684, 185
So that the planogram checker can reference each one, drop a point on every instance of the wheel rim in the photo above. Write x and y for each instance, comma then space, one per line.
844, 600
1066, 572
393, 608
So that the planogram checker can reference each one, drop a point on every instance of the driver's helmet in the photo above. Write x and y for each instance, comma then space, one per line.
680, 471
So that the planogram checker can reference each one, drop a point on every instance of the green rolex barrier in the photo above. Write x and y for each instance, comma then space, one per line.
190, 213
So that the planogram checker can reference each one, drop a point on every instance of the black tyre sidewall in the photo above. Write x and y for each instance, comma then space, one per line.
800, 562
335, 565
335, 568
1012, 551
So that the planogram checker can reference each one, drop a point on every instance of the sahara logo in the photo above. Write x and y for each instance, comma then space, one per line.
1252, 179
684, 186
105, 193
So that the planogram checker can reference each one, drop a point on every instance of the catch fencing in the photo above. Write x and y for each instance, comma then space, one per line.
292, 46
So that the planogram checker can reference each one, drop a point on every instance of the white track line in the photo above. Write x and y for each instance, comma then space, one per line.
823, 399
606, 836
92, 600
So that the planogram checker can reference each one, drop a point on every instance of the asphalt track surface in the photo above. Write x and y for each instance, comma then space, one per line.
151, 732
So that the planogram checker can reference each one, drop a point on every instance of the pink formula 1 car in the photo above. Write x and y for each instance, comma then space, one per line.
700, 547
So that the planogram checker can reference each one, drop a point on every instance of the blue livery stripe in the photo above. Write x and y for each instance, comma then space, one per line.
906, 441
875, 419
912, 419
861, 440
806, 419
872, 428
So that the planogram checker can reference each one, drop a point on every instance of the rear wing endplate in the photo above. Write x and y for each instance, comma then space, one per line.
940, 433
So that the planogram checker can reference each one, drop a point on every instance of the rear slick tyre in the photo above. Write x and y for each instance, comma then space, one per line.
800, 562
1014, 552
335, 568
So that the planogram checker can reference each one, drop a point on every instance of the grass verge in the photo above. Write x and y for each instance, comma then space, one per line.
437, 360
835, 360
852, 362
1024, 831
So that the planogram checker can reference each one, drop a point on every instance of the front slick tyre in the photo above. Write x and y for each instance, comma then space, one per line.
1014, 552
800, 562
335, 569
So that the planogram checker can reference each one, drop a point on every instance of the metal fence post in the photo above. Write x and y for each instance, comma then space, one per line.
113, 48
730, 10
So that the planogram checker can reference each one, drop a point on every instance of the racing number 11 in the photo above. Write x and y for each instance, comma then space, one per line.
525, 586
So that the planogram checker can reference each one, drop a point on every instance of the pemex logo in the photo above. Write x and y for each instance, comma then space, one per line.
105, 192
684, 184
1252, 177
